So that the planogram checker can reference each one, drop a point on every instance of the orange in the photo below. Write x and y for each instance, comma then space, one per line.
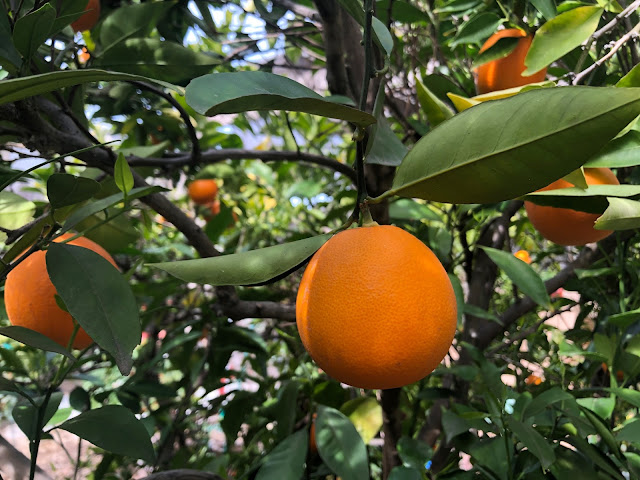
214, 208
506, 72
313, 446
570, 227
375, 308
30, 301
523, 255
88, 20
203, 191
533, 380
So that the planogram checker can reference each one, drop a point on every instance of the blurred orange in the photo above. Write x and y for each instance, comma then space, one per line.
533, 380
523, 255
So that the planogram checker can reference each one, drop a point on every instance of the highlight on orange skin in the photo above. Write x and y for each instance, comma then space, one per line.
506, 72
570, 227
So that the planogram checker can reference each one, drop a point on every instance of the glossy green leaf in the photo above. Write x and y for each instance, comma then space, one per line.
114, 236
387, 148
414, 453
64, 189
545, 399
477, 29
622, 214
8, 52
33, 29
15, 211
154, 58
340, 446
122, 174
503, 47
25, 414
628, 395
32, 85
287, 460
560, 35
383, 36
409, 209
631, 79
577, 179
625, 319
248, 91
630, 432
435, 109
131, 20
246, 268
603, 406
34, 339
546, 7
99, 299
502, 149
366, 415
594, 199
623, 151
535, 442
603, 430
633, 463
405, 473
521, 274
115, 429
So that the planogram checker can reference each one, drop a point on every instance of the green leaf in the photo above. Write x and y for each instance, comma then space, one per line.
8, 50
340, 445
477, 29
115, 429
502, 149
155, 58
405, 473
287, 460
521, 274
35, 339
457, 6
603, 406
633, 463
382, 35
631, 79
560, 35
503, 47
246, 268
15, 211
592, 200
64, 189
435, 109
409, 209
386, 149
545, 399
603, 431
248, 91
623, 151
414, 453
624, 320
99, 299
366, 415
546, 7
122, 174
25, 87
630, 432
535, 442
572, 464
285, 412
628, 395
33, 29
605, 346
355, 9
25, 414
622, 214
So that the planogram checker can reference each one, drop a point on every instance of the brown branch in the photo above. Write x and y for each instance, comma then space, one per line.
392, 428
246, 309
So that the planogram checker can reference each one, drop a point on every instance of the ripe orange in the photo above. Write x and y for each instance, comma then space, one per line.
523, 255
30, 301
570, 227
203, 191
506, 72
90, 17
533, 380
375, 308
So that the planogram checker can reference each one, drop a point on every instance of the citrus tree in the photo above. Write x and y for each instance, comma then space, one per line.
344, 238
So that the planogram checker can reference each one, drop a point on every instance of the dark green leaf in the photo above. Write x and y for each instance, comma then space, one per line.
560, 35
355, 9
287, 460
115, 429
8, 51
630, 432
504, 148
623, 320
414, 453
35, 339
492, 454
340, 446
405, 473
628, 395
545, 399
623, 151
79, 399
546, 7
247, 91
99, 299
122, 174
64, 189
246, 268
33, 29
622, 214
594, 199
521, 274
435, 109
603, 430
382, 35
285, 412
25, 414
131, 20
457, 6
570, 464
477, 29
535, 442
409, 209
387, 149
633, 462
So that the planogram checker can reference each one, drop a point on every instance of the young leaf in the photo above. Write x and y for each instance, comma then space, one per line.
366, 415
64, 189
34, 339
521, 274
246, 268
115, 429
506, 148
622, 214
560, 35
122, 174
15, 211
287, 460
98, 298
535, 442
340, 446
631, 79
248, 91
591, 200
435, 109
33, 29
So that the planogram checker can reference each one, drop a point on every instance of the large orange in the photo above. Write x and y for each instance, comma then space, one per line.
506, 72
90, 17
375, 308
565, 226
29, 297
203, 191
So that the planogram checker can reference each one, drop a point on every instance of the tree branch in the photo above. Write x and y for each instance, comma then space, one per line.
258, 309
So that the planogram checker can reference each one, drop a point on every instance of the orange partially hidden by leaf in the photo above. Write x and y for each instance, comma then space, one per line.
533, 380
362, 311
90, 17
565, 226
313, 446
29, 297
203, 191
523, 255
506, 72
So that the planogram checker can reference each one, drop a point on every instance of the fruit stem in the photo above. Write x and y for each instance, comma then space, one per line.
367, 220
